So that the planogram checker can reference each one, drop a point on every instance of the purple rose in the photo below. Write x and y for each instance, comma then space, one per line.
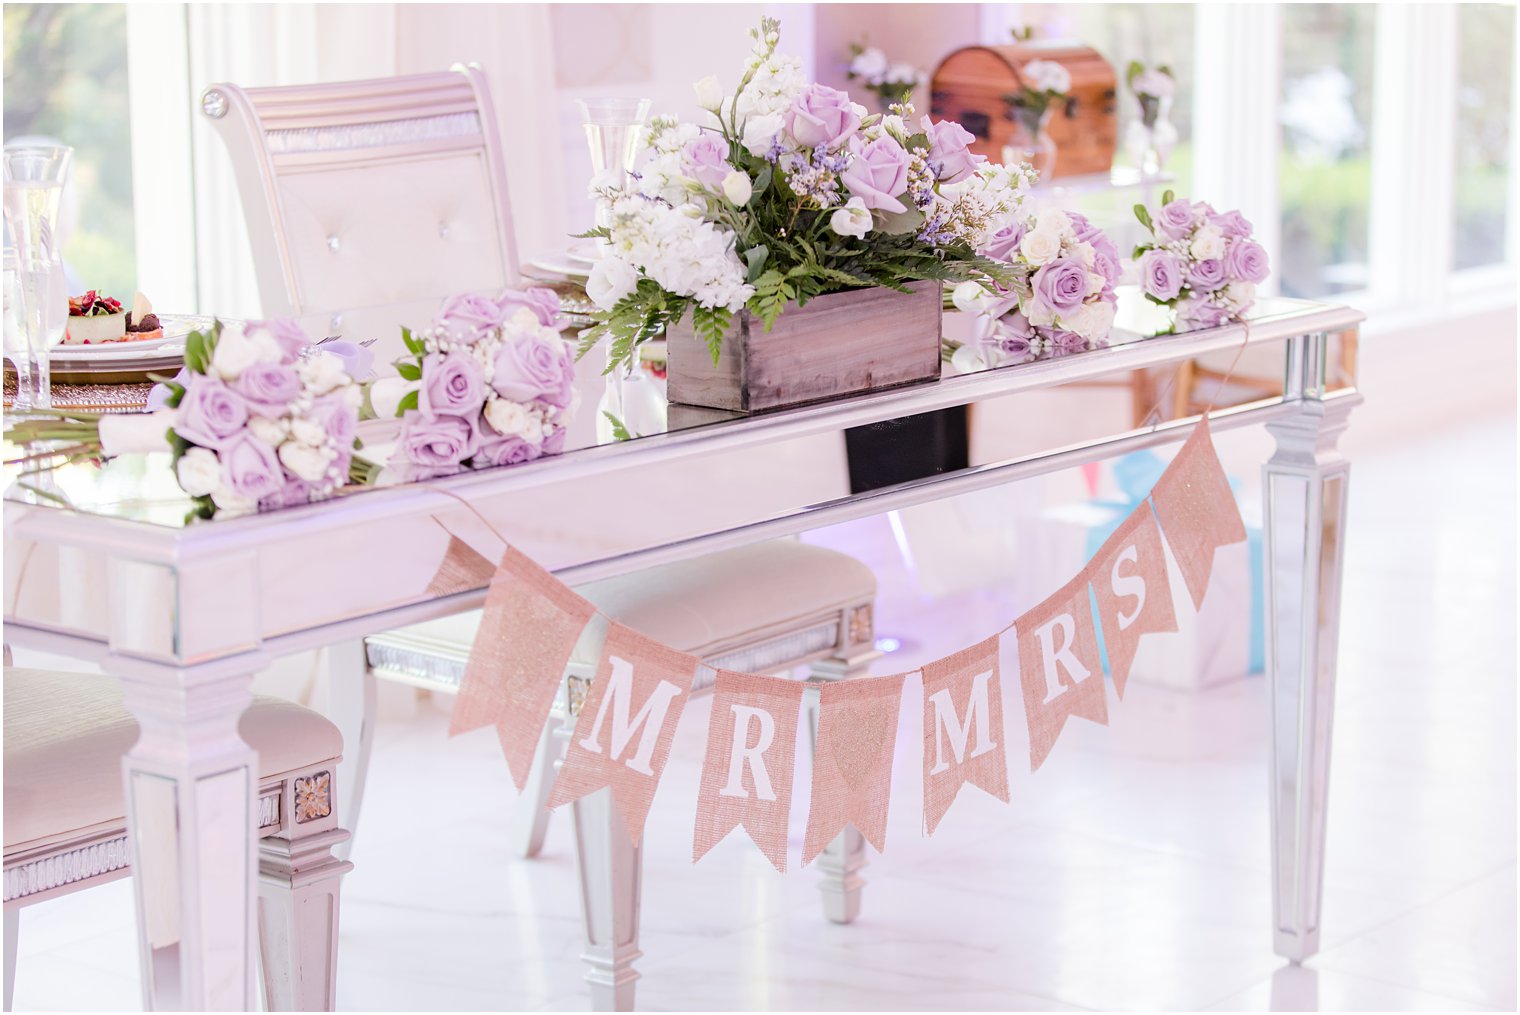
467, 318
1175, 220
543, 302
1014, 334
337, 418
358, 360
496, 449
706, 160
1205, 276
555, 442
294, 493
822, 117
1160, 274
948, 154
269, 388
1232, 224
1063, 342
250, 467
1062, 285
1246, 261
158, 395
1196, 315
287, 333
437, 442
452, 384
877, 174
534, 367
1082, 227
1003, 245
210, 413
1106, 260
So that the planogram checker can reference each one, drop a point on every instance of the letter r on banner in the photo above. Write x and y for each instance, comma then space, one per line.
963, 728
625, 727
1059, 666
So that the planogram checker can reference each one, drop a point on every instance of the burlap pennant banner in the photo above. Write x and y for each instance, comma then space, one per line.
852, 764
963, 728
462, 569
747, 773
1134, 593
1059, 666
623, 735
527, 633
1197, 510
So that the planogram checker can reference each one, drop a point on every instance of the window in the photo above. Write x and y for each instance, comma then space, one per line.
1326, 169
66, 79
1485, 82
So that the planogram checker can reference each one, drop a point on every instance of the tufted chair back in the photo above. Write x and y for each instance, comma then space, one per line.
363, 194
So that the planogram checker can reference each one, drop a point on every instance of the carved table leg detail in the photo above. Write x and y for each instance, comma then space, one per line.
611, 871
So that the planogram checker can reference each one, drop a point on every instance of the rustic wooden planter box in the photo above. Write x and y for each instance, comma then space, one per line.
840, 344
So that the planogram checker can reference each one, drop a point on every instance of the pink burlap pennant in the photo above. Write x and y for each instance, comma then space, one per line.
963, 728
528, 630
747, 773
852, 764
622, 737
1059, 667
462, 569
1134, 594
1197, 510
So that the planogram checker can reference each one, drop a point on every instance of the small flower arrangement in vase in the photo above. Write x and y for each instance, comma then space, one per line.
1045, 83
890, 82
1202, 264
793, 193
1152, 137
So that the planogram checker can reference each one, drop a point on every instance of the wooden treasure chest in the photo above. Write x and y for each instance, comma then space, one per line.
971, 87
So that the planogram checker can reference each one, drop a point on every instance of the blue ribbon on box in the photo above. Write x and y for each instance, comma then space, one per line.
1135, 474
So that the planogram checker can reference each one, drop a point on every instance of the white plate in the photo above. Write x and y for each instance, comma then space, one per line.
560, 264
176, 328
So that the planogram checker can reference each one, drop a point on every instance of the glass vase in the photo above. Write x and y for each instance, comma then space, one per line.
1151, 137
614, 127
34, 178
1031, 141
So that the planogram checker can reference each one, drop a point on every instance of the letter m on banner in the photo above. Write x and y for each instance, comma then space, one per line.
626, 725
963, 728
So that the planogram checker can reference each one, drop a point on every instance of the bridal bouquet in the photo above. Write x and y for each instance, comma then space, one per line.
791, 191
1200, 262
258, 418
489, 383
1064, 301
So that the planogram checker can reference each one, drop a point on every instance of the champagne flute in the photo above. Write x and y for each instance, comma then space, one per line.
34, 178
613, 133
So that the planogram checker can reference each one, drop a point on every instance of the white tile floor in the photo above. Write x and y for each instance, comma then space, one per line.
1130, 873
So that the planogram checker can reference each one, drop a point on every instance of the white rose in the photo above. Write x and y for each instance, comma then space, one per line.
1241, 294
760, 131
308, 431
199, 472
968, 297
1090, 320
507, 417
611, 279
270, 431
234, 353
737, 188
266, 349
321, 372
1040, 246
871, 64
385, 395
1207, 242
533, 429
709, 93
226, 500
307, 462
854, 219
353, 396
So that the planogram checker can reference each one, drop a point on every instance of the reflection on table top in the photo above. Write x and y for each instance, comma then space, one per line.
143, 488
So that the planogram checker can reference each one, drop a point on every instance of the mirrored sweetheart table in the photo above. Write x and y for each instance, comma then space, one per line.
104, 567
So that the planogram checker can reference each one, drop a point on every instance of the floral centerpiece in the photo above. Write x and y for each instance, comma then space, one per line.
1044, 83
1064, 303
258, 418
1201, 263
1152, 137
790, 192
890, 82
489, 383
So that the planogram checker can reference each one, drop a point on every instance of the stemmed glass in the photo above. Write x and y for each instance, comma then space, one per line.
34, 178
613, 128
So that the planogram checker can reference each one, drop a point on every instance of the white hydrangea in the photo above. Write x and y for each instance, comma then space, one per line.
778, 80
674, 246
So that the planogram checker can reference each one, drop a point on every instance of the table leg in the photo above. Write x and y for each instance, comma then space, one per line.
1305, 489
191, 790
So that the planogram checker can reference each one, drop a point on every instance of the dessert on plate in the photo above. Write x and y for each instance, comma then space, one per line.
95, 319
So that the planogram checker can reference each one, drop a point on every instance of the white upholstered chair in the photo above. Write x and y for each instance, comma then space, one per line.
65, 820
376, 193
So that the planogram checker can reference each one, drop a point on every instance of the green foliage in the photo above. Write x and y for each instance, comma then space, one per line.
711, 325
408, 401
408, 371
413, 344
619, 428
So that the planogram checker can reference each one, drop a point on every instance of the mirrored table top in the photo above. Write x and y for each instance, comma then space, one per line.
143, 488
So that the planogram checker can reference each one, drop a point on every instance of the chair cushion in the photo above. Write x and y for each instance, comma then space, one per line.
65, 734
702, 604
